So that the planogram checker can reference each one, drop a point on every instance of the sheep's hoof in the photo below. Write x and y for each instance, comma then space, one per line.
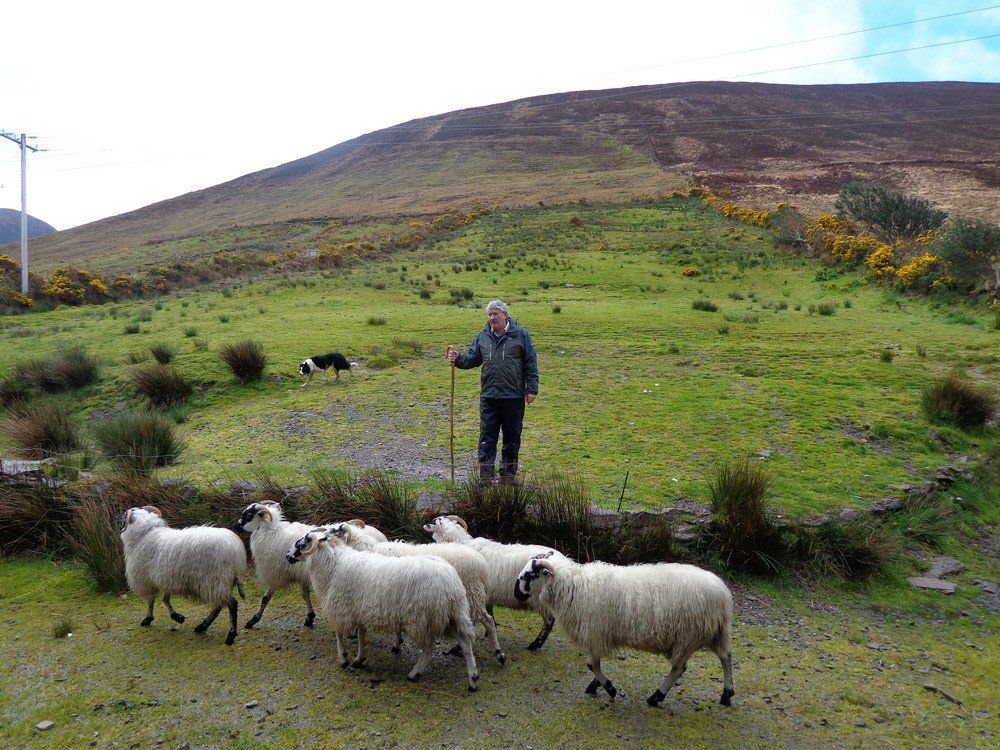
200, 627
727, 694
358, 663
177, 617
455, 650
251, 622
656, 698
501, 657
535, 645
309, 619
413, 677
612, 690
592, 687
146, 622
473, 687
344, 663
231, 638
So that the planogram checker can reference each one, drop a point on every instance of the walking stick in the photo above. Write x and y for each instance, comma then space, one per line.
452, 415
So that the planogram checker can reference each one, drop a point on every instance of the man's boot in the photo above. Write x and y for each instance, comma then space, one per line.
486, 473
508, 473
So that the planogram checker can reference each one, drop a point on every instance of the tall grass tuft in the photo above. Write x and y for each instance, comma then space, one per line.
33, 519
41, 429
705, 305
63, 371
137, 442
163, 385
745, 536
246, 359
163, 353
856, 549
95, 541
958, 400
379, 498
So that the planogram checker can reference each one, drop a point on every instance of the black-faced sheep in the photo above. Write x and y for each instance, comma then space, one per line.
668, 609
422, 597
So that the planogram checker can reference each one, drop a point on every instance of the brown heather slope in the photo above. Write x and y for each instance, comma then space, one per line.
757, 142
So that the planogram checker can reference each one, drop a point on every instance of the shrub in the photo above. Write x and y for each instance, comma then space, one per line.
848, 304
887, 355
41, 429
13, 390
556, 309
745, 536
62, 628
958, 400
782, 305
425, 294
163, 385
970, 250
705, 305
735, 296
724, 330
136, 358
246, 359
68, 369
673, 349
887, 211
132, 328
691, 271
223, 318
162, 353
191, 332
544, 284
145, 315
825, 308
379, 285
921, 350
377, 320
137, 442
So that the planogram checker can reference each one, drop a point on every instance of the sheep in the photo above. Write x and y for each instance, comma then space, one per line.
667, 608
270, 537
471, 567
360, 591
201, 562
504, 562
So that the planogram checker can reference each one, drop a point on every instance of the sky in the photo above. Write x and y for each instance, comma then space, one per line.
139, 102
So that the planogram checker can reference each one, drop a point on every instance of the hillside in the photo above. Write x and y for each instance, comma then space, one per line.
10, 226
760, 142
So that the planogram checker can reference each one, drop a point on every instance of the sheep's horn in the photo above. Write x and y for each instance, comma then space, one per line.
460, 521
357, 522
153, 509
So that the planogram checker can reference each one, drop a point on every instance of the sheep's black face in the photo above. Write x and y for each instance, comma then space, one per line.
251, 518
306, 545
532, 580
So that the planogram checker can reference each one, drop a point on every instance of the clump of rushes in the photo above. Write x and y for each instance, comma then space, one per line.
956, 399
163, 385
246, 359
41, 429
137, 442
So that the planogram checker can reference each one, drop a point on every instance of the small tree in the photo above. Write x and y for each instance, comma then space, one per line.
890, 213
970, 249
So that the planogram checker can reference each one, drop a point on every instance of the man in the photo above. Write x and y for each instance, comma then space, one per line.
509, 382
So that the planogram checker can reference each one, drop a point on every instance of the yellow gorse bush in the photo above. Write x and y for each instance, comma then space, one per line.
910, 272
882, 262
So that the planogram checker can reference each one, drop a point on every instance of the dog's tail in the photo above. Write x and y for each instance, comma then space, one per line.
352, 364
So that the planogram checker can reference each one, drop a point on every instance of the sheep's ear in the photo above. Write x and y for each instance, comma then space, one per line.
357, 522
460, 521
544, 555
338, 530
429, 527
545, 567
153, 509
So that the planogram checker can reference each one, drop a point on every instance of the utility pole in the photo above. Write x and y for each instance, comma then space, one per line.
23, 143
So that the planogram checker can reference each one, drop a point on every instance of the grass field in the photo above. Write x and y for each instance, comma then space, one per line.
633, 377
818, 669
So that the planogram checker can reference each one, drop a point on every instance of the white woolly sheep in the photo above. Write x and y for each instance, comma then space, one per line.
504, 562
360, 591
668, 609
270, 537
201, 562
471, 567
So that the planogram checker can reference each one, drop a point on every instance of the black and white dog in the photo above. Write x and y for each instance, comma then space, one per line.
323, 362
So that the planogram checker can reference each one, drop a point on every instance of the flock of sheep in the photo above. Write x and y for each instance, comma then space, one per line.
364, 582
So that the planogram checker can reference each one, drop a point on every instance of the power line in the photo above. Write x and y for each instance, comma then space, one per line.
678, 84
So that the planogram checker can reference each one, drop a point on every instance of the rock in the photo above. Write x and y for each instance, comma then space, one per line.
244, 487
989, 587
945, 566
816, 521
848, 514
251, 704
602, 518
44, 726
947, 696
942, 478
935, 584
433, 503
886, 505
686, 533
765, 453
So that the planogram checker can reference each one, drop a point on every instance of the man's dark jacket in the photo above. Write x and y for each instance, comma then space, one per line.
510, 364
